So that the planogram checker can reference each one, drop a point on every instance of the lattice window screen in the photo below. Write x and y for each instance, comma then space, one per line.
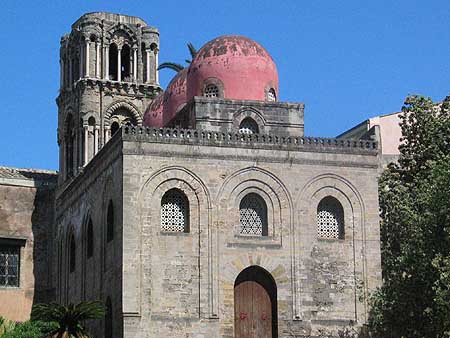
253, 215
330, 219
9, 266
271, 97
174, 212
248, 126
211, 91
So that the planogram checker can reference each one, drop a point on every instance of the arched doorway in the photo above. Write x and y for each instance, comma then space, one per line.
255, 304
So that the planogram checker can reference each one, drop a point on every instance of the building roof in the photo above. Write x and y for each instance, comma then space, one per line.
27, 177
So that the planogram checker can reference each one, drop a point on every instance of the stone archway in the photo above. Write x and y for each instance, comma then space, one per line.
255, 304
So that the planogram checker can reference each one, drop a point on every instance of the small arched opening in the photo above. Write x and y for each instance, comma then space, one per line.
144, 62
174, 211
255, 304
330, 219
248, 126
112, 71
253, 215
271, 95
114, 127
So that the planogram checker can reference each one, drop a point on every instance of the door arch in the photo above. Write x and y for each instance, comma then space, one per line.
255, 304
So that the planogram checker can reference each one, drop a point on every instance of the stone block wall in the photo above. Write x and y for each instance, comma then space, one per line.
182, 284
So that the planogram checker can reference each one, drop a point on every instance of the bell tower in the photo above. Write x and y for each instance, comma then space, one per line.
108, 77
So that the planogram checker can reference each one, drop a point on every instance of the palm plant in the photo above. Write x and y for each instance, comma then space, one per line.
69, 318
176, 66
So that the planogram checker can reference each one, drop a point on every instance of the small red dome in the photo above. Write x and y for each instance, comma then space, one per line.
153, 116
175, 96
240, 67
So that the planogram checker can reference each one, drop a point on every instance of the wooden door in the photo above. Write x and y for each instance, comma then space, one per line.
252, 311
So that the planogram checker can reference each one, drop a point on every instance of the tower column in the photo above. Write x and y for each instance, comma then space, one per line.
87, 59
107, 133
97, 61
106, 70
119, 64
156, 66
96, 129
147, 54
86, 142
135, 64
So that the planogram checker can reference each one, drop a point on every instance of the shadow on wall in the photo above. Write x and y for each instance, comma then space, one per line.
43, 229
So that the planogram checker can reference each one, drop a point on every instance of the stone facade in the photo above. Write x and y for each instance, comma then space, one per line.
107, 233
26, 223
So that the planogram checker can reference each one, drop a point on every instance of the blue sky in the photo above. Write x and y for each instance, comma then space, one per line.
346, 60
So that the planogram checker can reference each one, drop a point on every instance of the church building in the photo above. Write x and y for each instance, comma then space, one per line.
199, 211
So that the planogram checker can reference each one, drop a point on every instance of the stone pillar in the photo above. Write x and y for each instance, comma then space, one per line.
86, 144
97, 60
87, 59
96, 129
156, 66
147, 54
107, 133
119, 64
135, 57
106, 70
74, 152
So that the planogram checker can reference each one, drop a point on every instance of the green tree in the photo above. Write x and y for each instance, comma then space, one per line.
176, 66
414, 300
69, 318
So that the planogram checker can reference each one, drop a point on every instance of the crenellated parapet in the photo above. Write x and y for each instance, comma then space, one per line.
254, 141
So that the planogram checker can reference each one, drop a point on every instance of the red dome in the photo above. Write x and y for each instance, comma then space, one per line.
243, 68
175, 96
153, 116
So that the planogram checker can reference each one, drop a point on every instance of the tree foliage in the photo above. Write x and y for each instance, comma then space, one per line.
414, 300
176, 66
69, 318
30, 329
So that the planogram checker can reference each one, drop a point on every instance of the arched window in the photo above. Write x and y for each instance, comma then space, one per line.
253, 215
108, 319
248, 126
90, 239
114, 127
174, 211
271, 95
125, 63
112, 71
72, 254
330, 219
110, 222
211, 90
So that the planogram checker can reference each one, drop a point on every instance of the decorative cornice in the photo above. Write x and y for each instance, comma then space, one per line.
255, 141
